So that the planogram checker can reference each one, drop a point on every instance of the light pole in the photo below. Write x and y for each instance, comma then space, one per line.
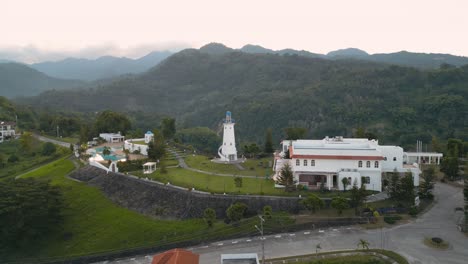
262, 237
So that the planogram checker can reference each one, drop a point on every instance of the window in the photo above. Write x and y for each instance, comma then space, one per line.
367, 164
384, 158
376, 164
365, 180
312, 163
360, 164
305, 162
394, 158
298, 162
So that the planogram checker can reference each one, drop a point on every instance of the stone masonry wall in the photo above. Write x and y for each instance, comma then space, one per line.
158, 200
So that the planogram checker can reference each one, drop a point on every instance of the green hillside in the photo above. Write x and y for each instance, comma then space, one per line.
328, 97
20, 80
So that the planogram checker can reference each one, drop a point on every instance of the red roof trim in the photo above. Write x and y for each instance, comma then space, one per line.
339, 157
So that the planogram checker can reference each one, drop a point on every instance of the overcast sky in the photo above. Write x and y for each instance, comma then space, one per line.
51, 29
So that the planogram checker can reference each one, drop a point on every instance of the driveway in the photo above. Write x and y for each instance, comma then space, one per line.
441, 220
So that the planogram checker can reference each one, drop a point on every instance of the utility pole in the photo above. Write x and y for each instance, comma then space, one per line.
57, 131
262, 237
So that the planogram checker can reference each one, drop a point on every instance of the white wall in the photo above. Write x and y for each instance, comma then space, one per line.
133, 147
391, 152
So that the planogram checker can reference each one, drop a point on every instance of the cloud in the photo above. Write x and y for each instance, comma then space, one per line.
33, 54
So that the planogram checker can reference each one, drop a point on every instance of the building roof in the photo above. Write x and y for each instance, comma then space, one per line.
337, 148
7, 123
176, 256
149, 133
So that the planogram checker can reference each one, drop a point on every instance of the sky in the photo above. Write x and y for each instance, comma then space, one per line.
32, 30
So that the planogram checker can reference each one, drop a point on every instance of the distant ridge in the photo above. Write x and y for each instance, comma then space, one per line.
101, 68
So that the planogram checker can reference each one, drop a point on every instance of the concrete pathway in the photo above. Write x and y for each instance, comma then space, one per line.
407, 239
57, 142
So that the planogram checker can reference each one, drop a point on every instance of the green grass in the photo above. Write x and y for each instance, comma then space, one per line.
141, 142
220, 184
93, 224
27, 161
251, 166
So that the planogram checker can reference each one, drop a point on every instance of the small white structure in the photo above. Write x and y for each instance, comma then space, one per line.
422, 157
227, 151
112, 137
149, 167
148, 136
7, 130
328, 161
136, 144
242, 258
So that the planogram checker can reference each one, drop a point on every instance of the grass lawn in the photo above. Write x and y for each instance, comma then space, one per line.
348, 260
141, 142
252, 167
27, 161
220, 184
92, 223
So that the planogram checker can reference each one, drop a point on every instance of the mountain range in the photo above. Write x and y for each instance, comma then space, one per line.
100, 68
326, 96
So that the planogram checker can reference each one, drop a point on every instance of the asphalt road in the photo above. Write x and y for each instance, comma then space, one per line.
45, 139
441, 220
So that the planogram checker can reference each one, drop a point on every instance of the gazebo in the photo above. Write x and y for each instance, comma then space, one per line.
149, 167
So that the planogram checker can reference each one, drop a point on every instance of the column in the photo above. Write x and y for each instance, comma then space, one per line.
329, 181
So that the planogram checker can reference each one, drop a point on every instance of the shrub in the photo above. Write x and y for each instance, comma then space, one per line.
267, 211
13, 158
48, 149
210, 216
392, 219
236, 211
413, 211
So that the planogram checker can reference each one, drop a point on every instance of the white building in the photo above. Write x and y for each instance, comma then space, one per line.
227, 151
139, 144
148, 136
328, 161
112, 137
7, 130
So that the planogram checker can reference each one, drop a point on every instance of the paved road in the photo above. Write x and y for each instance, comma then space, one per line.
441, 220
57, 142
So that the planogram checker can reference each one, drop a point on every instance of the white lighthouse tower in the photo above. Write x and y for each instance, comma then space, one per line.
227, 152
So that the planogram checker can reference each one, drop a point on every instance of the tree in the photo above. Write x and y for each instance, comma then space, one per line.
286, 177
364, 244
238, 182
428, 177
312, 203
108, 122
268, 142
26, 142
251, 150
48, 149
394, 186
267, 212
168, 128
294, 133
157, 147
407, 189
210, 216
72, 148
317, 248
106, 151
339, 203
236, 211
2, 160
29, 209
13, 158
345, 182
450, 166
358, 197
84, 134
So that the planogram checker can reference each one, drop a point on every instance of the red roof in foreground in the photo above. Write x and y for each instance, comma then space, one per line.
176, 256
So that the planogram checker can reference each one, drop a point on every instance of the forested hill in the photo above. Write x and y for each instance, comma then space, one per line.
20, 80
329, 97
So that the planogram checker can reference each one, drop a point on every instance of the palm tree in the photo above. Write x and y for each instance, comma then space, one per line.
363, 243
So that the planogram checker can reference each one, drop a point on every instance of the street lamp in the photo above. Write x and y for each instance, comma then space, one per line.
262, 237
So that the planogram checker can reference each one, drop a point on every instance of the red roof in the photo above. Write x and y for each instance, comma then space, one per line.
176, 256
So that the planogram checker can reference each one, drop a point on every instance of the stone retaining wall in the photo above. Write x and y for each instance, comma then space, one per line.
158, 200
